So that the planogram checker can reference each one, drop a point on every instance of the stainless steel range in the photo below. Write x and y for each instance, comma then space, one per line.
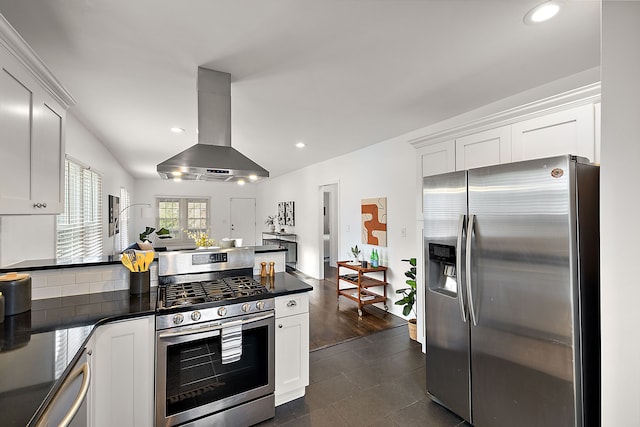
214, 340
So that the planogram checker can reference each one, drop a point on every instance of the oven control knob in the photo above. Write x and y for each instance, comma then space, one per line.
260, 305
195, 316
222, 311
177, 319
246, 307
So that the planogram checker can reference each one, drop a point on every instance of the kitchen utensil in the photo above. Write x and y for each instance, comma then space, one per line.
127, 262
16, 289
148, 259
140, 261
131, 254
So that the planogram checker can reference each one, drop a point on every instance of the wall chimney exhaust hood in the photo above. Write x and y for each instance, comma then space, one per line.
212, 158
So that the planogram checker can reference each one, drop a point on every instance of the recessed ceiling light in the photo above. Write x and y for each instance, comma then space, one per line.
241, 182
300, 145
253, 177
176, 173
177, 129
177, 179
542, 12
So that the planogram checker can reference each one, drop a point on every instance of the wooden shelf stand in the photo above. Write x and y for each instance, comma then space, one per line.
360, 291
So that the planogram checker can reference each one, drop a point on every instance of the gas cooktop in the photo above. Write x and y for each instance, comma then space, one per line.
209, 291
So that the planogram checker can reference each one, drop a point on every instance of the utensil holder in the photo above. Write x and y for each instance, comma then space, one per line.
139, 282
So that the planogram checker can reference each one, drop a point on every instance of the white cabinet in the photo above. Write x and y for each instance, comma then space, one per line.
32, 143
292, 347
122, 386
490, 147
437, 158
565, 132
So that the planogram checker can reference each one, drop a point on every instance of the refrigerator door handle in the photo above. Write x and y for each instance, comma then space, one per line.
472, 311
463, 310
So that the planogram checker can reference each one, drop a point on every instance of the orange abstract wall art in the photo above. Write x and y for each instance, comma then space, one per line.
374, 221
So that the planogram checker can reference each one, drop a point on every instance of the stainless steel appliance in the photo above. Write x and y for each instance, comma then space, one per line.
212, 158
512, 293
215, 357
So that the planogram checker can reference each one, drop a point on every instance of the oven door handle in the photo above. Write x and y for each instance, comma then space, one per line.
215, 328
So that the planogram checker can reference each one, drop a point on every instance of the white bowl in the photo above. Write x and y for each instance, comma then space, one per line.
226, 243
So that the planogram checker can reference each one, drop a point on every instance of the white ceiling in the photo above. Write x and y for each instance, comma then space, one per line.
336, 74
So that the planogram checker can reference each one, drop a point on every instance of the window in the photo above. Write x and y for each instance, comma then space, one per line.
79, 227
177, 214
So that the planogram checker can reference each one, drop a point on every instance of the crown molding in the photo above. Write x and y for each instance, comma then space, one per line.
20, 49
588, 94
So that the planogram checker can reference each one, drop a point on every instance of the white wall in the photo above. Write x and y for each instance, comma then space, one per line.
31, 237
619, 207
220, 193
386, 170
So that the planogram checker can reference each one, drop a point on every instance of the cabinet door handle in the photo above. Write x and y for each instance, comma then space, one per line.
292, 303
280, 326
39, 205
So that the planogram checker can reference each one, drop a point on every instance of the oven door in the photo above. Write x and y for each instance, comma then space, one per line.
200, 372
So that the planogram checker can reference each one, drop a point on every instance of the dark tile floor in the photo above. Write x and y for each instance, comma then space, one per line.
376, 380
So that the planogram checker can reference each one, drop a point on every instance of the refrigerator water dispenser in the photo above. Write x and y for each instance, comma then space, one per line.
442, 269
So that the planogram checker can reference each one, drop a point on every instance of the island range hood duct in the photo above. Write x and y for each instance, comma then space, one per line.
212, 158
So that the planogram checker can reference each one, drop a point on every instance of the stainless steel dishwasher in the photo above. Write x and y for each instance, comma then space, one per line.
69, 406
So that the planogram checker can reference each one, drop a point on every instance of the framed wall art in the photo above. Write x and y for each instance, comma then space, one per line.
374, 221
289, 213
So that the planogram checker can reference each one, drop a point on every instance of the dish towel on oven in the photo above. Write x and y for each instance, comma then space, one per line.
231, 342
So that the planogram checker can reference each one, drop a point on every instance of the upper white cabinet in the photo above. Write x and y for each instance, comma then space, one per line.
565, 132
437, 158
32, 119
487, 148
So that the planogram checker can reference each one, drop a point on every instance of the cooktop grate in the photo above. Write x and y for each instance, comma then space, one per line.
228, 288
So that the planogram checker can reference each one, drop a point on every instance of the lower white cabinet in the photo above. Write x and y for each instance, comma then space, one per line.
122, 365
292, 347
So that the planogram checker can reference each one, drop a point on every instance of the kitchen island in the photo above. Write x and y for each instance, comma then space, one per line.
53, 278
38, 348
54, 263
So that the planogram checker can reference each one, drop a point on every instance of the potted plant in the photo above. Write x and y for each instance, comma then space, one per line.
355, 251
408, 299
271, 222
163, 233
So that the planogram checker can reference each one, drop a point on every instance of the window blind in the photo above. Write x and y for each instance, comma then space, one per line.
79, 227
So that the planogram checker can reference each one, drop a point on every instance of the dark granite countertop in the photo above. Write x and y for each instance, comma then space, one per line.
52, 264
39, 347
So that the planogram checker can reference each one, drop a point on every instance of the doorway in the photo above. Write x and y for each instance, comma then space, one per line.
329, 227
243, 220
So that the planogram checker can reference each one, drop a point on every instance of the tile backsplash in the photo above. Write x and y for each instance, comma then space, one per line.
82, 280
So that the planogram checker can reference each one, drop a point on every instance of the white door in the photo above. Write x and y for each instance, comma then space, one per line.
329, 227
243, 221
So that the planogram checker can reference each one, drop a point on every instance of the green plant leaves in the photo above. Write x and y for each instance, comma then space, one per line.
409, 294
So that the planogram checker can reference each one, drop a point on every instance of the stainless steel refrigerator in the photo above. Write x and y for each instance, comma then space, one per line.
512, 293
